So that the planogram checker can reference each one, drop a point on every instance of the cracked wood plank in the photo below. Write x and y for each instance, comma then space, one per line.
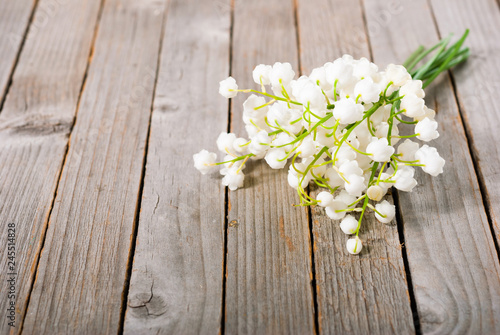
451, 254
477, 85
367, 293
14, 20
83, 265
176, 283
34, 127
268, 258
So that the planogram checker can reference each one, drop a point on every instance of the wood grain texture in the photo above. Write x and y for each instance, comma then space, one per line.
367, 293
14, 20
477, 85
82, 269
451, 254
268, 258
34, 126
176, 284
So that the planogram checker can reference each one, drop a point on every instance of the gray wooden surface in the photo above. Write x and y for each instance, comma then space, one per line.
82, 272
178, 265
103, 104
451, 253
268, 287
35, 123
351, 291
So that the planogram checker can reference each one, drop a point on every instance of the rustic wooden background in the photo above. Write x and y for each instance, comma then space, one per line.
104, 102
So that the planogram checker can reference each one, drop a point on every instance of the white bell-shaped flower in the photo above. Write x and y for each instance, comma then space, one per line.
318, 76
344, 155
407, 150
240, 145
275, 158
428, 113
307, 148
252, 107
308, 93
261, 74
294, 178
335, 210
380, 150
354, 184
354, 245
349, 225
281, 74
234, 178
351, 167
323, 138
282, 141
367, 90
383, 129
381, 115
333, 178
339, 71
376, 192
412, 87
426, 130
430, 158
404, 179
387, 210
325, 198
397, 74
225, 142
228, 88
260, 143
363, 68
204, 161
229, 164
278, 114
412, 105
345, 197
347, 111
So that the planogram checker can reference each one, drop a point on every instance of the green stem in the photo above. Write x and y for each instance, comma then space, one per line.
316, 157
235, 160
323, 120
413, 56
443, 66
271, 96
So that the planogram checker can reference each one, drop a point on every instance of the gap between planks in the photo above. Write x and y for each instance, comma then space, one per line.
314, 288
411, 293
470, 143
399, 217
19, 51
226, 189
82, 88
428, 318
135, 228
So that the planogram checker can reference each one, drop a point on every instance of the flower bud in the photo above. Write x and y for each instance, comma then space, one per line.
387, 210
354, 245
349, 224
324, 198
375, 192
228, 88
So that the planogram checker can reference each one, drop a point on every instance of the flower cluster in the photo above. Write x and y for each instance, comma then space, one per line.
339, 127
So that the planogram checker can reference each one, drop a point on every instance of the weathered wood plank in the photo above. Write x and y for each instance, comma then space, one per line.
34, 126
451, 254
477, 86
14, 20
268, 258
176, 284
83, 266
365, 293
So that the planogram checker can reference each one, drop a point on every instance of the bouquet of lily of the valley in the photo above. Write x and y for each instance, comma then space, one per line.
339, 128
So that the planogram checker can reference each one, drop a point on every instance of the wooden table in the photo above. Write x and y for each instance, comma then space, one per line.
103, 104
